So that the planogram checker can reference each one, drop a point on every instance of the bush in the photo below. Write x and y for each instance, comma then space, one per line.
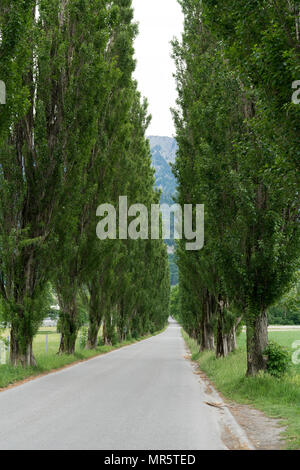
278, 359
114, 338
83, 337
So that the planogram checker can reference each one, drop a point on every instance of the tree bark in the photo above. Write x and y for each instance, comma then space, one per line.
222, 343
231, 338
104, 334
23, 322
94, 327
21, 352
107, 329
207, 330
121, 324
68, 328
257, 342
226, 338
95, 314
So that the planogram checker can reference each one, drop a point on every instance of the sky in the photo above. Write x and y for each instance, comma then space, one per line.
159, 21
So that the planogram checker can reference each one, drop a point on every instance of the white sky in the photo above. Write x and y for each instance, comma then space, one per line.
159, 21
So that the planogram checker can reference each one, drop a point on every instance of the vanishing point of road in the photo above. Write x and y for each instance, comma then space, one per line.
142, 397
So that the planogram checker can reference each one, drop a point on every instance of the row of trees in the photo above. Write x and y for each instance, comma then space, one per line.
238, 133
72, 137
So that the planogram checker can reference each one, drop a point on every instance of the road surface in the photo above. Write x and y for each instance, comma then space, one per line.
142, 397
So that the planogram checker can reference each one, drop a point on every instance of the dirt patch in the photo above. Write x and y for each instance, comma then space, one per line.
208, 389
230, 440
264, 433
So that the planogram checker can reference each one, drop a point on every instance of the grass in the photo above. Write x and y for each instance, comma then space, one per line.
52, 361
277, 398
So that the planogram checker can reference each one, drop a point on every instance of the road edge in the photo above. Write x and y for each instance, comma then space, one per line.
228, 420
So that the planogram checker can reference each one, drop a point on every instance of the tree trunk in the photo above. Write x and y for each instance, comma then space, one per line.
222, 343
94, 327
67, 343
69, 328
21, 352
207, 338
207, 330
231, 338
121, 324
104, 334
95, 314
257, 342
107, 339
24, 317
226, 334
226, 341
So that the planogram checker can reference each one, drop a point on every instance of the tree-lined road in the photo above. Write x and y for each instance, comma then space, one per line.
144, 396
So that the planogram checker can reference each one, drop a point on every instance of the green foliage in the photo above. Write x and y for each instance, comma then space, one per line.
287, 310
72, 136
175, 303
83, 337
279, 359
238, 155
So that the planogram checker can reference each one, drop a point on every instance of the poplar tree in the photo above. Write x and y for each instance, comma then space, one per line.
31, 169
72, 136
229, 160
78, 261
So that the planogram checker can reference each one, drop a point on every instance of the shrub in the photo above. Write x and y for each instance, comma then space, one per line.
114, 338
278, 359
83, 337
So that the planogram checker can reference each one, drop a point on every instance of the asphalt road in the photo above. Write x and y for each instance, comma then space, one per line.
145, 396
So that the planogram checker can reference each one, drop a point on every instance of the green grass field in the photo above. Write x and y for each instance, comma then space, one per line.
51, 361
278, 398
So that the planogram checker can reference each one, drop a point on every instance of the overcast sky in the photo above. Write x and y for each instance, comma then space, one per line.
159, 21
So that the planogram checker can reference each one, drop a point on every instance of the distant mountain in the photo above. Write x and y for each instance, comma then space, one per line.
163, 151
168, 147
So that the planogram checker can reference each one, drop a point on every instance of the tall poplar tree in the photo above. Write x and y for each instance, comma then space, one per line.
229, 160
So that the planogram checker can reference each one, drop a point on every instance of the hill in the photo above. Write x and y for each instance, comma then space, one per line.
163, 151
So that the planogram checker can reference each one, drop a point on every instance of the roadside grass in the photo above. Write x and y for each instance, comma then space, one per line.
277, 398
52, 361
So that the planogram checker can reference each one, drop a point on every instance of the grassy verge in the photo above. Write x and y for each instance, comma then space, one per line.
52, 361
277, 398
